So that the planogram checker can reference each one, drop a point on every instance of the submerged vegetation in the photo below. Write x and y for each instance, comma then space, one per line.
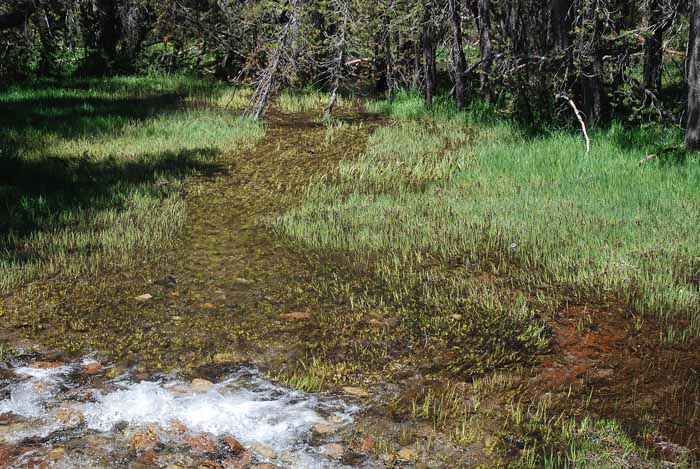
91, 171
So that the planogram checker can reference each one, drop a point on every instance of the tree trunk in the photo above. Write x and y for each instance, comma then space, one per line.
100, 36
561, 23
429, 67
485, 49
653, 47
47, 53
458, 52
595, 104
692, 134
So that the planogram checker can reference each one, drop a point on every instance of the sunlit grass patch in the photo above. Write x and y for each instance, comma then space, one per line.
92, 170
600, 226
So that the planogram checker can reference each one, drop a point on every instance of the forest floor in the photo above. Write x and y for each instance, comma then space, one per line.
327, 255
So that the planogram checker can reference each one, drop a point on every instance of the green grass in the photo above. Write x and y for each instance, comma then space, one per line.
92, 170
493, 196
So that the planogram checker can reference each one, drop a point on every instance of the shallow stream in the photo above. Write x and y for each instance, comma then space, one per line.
77, 415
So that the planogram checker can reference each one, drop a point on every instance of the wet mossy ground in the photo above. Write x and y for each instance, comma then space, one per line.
232, 277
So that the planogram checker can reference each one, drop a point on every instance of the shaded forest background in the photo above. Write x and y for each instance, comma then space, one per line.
616, 60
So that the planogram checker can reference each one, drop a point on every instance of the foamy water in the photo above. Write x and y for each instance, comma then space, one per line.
244, 405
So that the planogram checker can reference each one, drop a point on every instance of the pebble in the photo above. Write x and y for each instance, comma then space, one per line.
144, 297
323, 429
354, 391
201, 385
92, 368
333, 450
295, 316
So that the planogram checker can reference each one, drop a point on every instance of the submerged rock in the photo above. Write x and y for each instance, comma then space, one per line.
70, 416
234, 446
243, 461
144, 440
264, 451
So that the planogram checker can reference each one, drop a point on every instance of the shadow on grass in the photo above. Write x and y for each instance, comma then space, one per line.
75, 117
43, 192
35, 194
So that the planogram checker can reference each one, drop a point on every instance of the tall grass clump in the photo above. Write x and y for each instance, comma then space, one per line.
469, 188
91, 171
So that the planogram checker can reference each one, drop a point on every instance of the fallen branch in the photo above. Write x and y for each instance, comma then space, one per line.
356, 61
659, 154
579, 116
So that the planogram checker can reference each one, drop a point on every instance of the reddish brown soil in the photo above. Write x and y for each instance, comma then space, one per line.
632, 377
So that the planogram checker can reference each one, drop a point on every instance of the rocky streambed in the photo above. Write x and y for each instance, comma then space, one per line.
83, 414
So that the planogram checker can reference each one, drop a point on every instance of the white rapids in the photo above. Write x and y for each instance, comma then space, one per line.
244, 405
